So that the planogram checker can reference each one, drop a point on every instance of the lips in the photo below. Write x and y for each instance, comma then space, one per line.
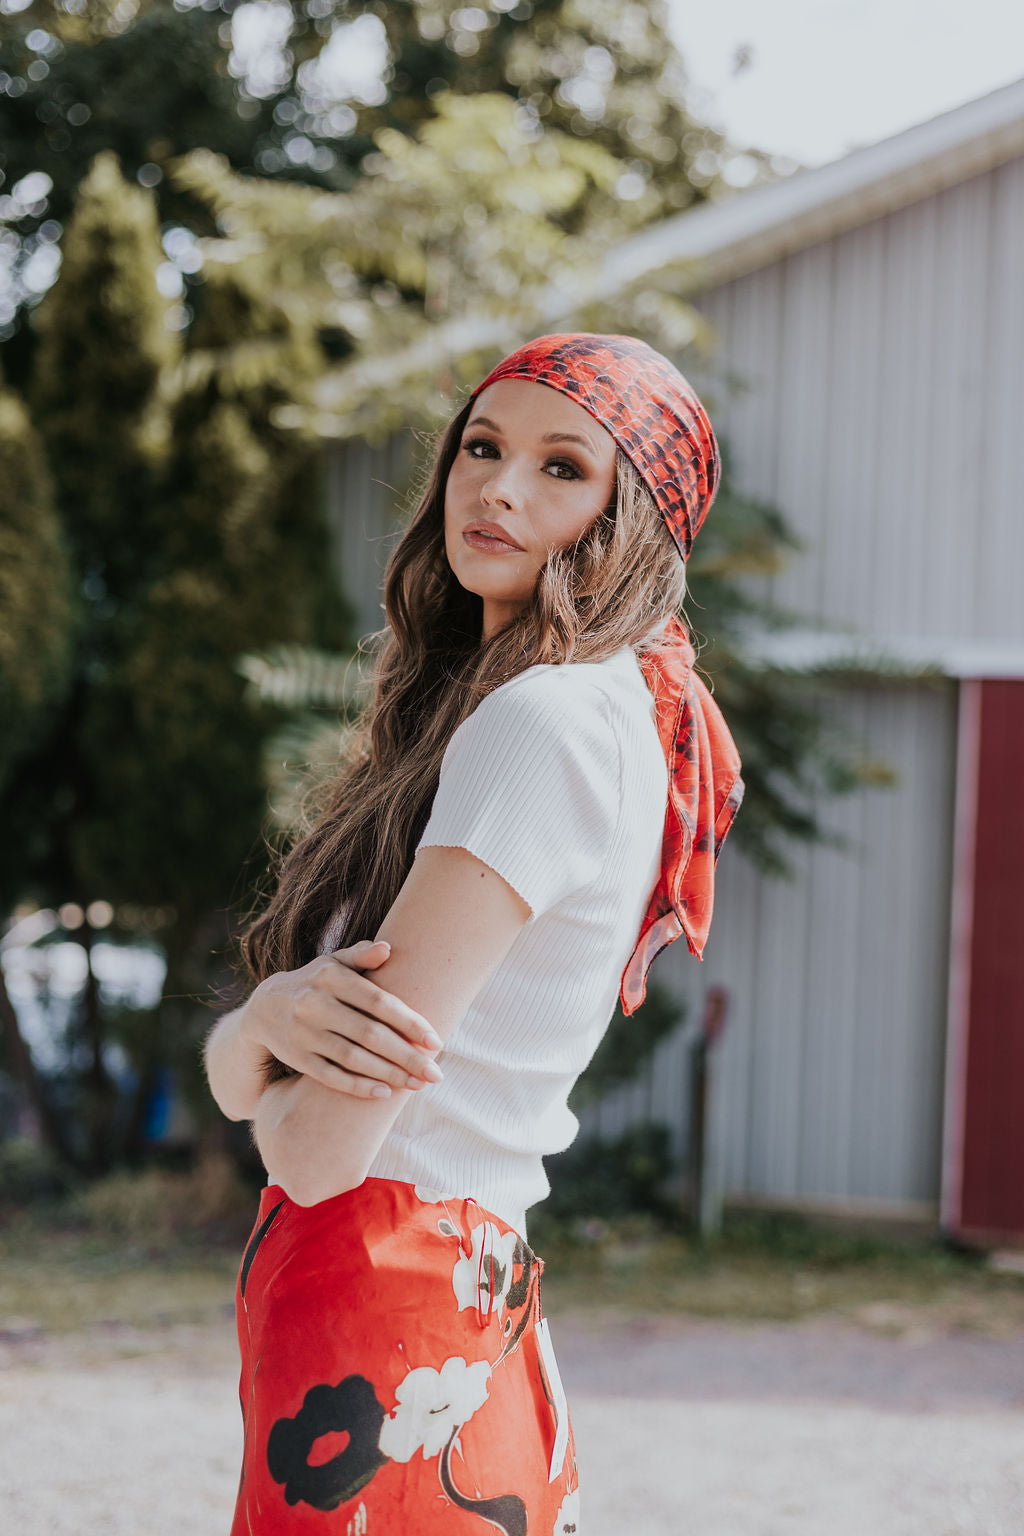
483, 535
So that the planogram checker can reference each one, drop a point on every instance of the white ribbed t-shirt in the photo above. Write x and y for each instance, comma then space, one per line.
557, 781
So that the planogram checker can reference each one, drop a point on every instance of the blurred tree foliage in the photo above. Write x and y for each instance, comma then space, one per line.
194, 530
273, 87
35, 589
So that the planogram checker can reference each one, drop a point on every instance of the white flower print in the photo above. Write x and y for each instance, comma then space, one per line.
471, 1277
567, 1521
430, 1405
427, 1195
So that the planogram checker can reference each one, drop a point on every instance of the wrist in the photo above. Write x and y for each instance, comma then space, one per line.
250, 1030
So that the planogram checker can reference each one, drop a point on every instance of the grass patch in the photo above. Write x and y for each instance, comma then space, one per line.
152, 1250
140, 1250
775, 1268
73, 1281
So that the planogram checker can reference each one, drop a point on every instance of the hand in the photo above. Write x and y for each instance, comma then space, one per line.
329, 1023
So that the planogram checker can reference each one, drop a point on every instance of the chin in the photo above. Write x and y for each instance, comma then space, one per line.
485, 584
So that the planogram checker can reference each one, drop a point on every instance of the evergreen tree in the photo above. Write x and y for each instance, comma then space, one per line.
35, 596
195, 532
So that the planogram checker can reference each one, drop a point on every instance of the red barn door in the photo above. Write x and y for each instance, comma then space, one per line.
983, 1175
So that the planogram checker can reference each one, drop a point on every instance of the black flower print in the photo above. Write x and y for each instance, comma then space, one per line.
506, 1512
350, 1408
525, 1261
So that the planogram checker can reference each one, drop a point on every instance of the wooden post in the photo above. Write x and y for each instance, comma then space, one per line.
704, 1173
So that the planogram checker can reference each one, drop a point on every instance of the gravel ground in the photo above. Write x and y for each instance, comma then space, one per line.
684, 1428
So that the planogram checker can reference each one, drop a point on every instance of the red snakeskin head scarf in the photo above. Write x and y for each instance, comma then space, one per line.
655, 417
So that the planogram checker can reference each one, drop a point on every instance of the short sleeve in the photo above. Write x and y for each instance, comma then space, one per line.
530, 784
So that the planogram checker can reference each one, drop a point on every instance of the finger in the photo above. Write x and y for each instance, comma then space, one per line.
352, 1057
381, 1043
376, 1002
366, 954
332, 1076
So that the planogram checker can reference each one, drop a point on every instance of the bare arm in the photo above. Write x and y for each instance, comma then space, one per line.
451, 925
327, 1021
235, 1067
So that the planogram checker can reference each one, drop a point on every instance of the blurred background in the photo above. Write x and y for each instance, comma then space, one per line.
251, 255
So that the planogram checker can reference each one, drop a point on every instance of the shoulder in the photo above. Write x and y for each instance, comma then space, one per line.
572, 682
555, 698
533, 780
551, 721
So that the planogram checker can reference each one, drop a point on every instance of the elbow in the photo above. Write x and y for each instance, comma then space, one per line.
306, 1147
233, 1106
307, 1173
310, 1186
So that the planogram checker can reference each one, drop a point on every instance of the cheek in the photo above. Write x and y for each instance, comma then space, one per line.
563, 524
461, 490
454, 495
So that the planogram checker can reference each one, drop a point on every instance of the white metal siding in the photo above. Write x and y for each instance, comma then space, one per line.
884, 384
829, 1073
367, 494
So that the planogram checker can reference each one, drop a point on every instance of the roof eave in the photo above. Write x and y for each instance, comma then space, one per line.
722, 240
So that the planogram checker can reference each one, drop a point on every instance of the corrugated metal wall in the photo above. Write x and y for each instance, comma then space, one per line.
367, 495
829, 1075
884, 376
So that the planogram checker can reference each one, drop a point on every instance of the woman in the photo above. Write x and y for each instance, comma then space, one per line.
535, 812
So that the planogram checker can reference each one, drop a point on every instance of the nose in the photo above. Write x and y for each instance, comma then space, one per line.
502, 488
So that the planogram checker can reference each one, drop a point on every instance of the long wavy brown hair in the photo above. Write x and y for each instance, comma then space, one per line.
615, 585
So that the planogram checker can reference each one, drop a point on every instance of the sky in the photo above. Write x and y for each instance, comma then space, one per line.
827, 76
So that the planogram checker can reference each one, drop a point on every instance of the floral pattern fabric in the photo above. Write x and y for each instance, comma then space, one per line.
391, 1376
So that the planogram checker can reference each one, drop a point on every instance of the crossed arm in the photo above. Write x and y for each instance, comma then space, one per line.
452, 923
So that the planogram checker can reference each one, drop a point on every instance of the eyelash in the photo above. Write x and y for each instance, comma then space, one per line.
485, 442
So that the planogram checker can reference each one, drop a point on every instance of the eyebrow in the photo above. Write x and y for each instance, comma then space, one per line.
549, 437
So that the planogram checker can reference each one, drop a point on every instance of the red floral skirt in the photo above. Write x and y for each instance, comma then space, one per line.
397, 1376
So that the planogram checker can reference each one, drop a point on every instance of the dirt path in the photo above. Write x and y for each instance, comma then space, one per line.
684, 1429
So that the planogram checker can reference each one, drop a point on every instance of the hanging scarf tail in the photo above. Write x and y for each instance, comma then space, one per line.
705, 790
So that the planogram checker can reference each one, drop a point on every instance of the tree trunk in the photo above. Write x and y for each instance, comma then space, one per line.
23, 1068
100, 1093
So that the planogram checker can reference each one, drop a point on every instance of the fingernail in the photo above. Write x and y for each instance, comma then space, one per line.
430, 1041
380, 1091
415, 1082
432, 1073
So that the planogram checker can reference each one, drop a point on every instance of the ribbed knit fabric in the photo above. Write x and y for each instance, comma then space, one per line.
557, 781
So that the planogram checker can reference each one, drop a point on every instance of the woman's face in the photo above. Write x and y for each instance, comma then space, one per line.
532, 472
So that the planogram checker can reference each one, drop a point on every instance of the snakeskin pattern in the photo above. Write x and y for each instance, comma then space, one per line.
645, 404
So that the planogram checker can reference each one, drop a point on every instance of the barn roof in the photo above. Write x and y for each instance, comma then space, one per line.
716, 241
737, 234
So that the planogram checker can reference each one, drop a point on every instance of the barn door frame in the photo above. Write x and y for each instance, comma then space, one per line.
965, 1118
